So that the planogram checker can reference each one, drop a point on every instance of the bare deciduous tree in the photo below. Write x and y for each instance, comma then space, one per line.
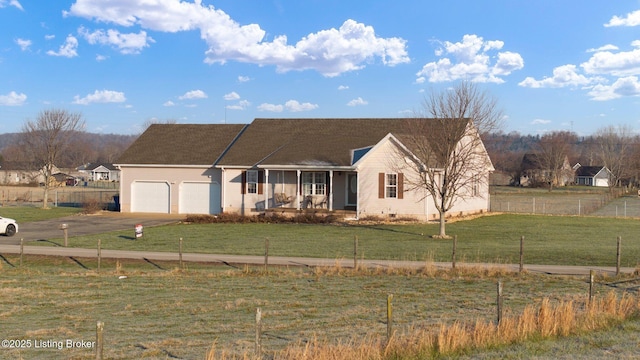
552, 157
46, 138
451, 163
614, 145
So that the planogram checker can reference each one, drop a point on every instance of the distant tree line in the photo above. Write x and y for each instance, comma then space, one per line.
84, 147
615, 147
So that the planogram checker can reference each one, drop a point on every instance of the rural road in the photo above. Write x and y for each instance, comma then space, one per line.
95, 224
289, 261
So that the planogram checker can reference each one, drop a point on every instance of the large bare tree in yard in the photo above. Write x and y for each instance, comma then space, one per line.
553, 153
444, 137
46, 138
613, 146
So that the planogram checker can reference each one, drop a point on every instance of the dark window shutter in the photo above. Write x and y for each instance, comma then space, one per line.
380, 185
400, 185
260, 182
243, 187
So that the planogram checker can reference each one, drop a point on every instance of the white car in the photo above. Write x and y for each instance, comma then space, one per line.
8, 227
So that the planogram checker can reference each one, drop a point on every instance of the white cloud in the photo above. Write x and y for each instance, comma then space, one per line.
540, 122
290, 106
100, 96
23, 43
343, 87
13, 3
357, 102
49, 37
471, 60
193, 94
68, 49
270, 107
243, 79
169, 103
330, 52
294, 106
631, 19
626, 86
231, 96
603, 48
125, 43
622, 63
241, 105
13, 99
565, 75
100, 57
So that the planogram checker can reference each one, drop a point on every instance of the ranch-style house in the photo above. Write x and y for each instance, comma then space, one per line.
282, 165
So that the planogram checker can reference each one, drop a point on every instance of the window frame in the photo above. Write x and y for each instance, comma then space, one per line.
314, 183
252, 180
391, 185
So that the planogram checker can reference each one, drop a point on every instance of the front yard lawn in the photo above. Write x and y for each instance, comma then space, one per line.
561, 240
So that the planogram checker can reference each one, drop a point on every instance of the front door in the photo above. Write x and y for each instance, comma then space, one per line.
352, 189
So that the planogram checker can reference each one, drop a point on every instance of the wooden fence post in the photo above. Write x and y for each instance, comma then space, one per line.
65, 232
389, 316
355, 252
499, 301
99, 340
521, 253
453, 253
180, 254
21, 250
99, 254
591, 277
266, 253
258, 333
618, 256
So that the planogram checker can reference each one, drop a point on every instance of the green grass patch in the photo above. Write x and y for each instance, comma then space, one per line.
553, 240
23, 214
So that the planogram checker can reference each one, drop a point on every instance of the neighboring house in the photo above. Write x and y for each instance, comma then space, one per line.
532, 173
592, 175
280, 165
62, 179
100, 172
19, 173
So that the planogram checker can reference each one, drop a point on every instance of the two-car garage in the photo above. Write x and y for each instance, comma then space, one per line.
193, 197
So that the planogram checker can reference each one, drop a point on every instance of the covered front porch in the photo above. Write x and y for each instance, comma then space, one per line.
309, 188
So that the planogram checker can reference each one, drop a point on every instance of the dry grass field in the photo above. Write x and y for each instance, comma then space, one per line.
156, 311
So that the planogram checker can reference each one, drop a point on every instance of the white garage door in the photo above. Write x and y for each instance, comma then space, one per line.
199, 198
149, 196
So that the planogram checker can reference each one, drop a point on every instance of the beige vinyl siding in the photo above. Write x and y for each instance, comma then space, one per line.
174, 176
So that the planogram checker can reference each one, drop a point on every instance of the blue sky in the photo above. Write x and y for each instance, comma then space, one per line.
553, 65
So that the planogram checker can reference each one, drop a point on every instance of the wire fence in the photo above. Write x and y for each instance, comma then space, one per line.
582, 204
107, 199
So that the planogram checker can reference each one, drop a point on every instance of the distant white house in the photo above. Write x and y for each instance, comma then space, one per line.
100, 172
592, 175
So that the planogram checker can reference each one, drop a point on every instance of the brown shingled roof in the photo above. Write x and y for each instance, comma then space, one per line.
307, 141
181, 144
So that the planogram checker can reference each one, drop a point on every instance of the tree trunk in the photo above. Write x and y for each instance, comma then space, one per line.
443, 232
45, 203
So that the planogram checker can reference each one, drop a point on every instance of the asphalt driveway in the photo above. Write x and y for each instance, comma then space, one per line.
86, 225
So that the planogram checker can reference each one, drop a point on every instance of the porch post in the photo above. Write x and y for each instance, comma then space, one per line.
298, 190
266, 189
330, 190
